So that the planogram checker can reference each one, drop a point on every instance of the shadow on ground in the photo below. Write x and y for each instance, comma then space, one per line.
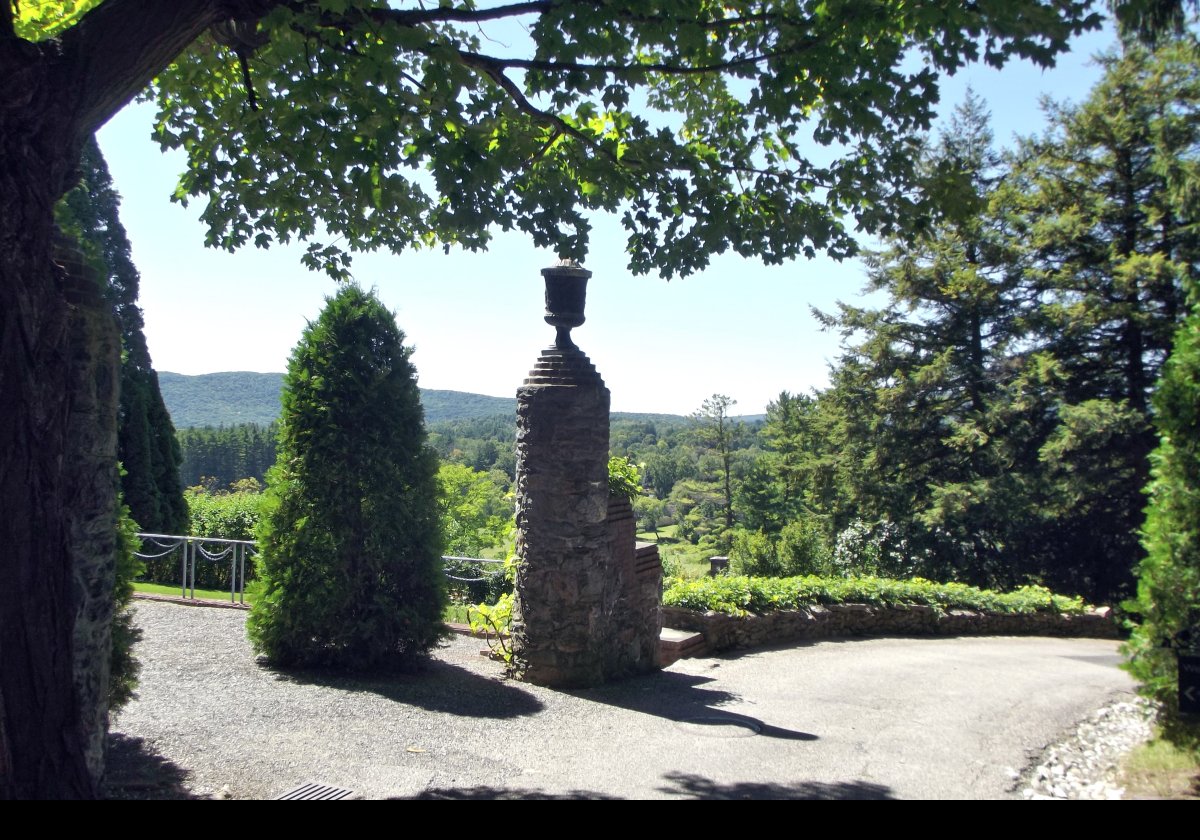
698, 787
487, 792
683, 785
134, 770
684, 699
437, 687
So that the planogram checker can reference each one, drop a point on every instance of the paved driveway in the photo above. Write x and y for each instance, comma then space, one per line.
877, 718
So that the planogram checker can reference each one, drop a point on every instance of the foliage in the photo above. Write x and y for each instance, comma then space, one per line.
350, 541
995, 411
802, 547
715, 430
493, 621
223, 455
476, 514
739, 595
473, 582
878, 548
1168, 592
212, 513
146, 443
124, 668
690, 119
229, 516
493, 618
624, 480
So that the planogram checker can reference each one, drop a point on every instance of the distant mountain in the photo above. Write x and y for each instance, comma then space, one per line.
232, 397
221, 399
229, 398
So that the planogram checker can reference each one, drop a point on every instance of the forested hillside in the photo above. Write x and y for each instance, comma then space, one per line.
230, 398
234, 397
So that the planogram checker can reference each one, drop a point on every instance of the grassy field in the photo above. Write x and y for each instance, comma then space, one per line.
159, 589
1161, 770
454, 614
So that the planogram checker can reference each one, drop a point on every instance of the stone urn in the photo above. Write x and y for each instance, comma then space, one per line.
566, 295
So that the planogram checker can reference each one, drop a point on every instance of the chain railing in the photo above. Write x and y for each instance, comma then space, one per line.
195, 549
464, 573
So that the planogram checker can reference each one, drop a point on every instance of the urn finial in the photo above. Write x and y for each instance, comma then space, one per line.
566, 294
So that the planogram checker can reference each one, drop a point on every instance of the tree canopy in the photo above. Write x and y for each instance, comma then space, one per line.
768, 128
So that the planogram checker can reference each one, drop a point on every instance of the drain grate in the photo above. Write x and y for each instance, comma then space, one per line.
316, 790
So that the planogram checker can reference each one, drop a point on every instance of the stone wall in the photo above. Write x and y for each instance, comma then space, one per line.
723, 632
638, 572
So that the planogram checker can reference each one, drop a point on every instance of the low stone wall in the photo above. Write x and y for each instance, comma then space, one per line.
723, 632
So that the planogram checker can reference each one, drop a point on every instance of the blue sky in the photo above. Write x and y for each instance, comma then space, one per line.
738, 328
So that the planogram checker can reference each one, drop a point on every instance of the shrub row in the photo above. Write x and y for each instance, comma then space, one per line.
738, 595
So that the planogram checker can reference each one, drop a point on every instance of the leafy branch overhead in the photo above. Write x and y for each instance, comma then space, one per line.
766, 128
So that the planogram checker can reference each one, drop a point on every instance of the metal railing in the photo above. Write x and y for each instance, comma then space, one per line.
194, 549
215, 549
446, 558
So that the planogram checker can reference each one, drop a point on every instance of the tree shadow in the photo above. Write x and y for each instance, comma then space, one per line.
134, 770
437, 687
487, 792
685, 785
682, 698
699, 787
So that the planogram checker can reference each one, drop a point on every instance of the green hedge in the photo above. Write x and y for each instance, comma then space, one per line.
735, 595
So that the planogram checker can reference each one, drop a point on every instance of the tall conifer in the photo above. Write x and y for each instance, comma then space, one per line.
351, 542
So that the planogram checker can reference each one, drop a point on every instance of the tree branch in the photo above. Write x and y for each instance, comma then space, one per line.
416, 17
118, 47
506, 84
624, 70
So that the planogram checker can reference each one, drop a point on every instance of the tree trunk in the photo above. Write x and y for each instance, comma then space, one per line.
42, 744
58, 357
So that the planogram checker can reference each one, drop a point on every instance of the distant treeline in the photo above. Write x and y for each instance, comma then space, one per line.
218, 456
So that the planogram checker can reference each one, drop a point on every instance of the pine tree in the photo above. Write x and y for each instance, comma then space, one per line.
351, 547
1112, 246
146, 444
919, 396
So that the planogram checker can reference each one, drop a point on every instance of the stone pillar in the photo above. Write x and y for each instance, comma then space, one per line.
568, 607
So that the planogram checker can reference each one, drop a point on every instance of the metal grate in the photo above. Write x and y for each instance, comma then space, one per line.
315, 790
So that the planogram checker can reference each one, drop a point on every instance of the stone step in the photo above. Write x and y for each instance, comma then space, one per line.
679, 644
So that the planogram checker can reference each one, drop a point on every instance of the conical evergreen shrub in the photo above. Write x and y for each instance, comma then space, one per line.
350, 540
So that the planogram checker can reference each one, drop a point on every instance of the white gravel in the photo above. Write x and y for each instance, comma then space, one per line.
1086, 764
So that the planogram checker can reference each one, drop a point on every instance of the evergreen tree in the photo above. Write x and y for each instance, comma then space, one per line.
997, 410
1167, 604
714, 430
1112, 245
1168, 593
146, 444
350, 546
919, 396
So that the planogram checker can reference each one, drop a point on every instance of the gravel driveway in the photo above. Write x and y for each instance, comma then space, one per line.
878, 718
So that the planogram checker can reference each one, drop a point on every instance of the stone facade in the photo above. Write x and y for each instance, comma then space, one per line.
723, 632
